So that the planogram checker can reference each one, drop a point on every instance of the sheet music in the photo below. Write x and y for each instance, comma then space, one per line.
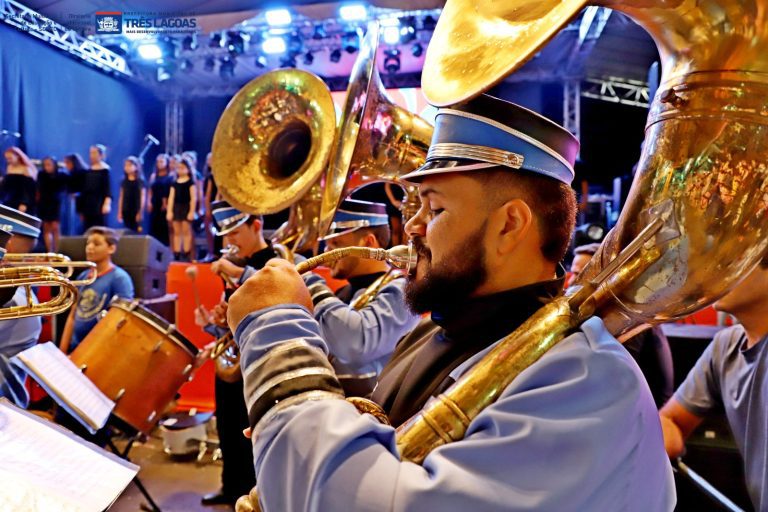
44, 467
66, 384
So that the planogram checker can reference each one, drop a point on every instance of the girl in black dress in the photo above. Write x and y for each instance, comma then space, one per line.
132, 195
182, 204
96, 194
157, 204
18, 188
76, 167
51, 186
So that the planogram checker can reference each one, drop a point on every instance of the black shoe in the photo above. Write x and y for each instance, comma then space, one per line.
217, 498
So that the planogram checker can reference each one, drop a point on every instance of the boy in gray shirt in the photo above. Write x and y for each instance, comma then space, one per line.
732, 376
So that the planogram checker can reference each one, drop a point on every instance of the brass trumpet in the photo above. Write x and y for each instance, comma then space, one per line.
29, 276
55, 260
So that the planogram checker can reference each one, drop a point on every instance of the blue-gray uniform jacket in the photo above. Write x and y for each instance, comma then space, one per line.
361, 341
577, 430
16, 336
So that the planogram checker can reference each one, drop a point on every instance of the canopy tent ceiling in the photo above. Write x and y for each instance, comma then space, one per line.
621, 49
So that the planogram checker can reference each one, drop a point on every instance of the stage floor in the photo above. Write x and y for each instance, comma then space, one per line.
176, 485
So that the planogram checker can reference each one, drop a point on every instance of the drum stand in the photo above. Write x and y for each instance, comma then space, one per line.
123, 454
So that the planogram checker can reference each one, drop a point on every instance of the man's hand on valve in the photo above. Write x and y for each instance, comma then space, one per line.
276, 283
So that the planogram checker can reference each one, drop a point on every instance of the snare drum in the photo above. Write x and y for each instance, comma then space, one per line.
138, 360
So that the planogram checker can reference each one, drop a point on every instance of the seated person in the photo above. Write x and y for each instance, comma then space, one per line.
111, 281
18, 334
731, 375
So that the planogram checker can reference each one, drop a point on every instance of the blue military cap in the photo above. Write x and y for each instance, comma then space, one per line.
19, 223
227, 217
353, 214
488, 132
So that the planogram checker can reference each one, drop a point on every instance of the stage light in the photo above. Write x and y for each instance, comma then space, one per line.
392, 61
353, 12
235, 43
187, 66
335, 56
278, 17
189, 43
210, 63
288, 62
163, 74
150, 51
350, 42
417, 50
308, 59
214, 40
260, 62
273, 45
319, 32
227, 68
392, 34
295, 45
589, 233
407, 29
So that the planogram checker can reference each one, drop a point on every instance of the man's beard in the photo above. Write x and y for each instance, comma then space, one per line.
451, 281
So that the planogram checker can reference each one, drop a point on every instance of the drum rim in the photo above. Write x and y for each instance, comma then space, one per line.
156, 321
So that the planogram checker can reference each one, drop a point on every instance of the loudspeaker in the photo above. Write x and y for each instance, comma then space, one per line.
144, 258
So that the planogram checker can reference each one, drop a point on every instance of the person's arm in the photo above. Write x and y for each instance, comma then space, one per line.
120, 205
149, 198
107, 191
69, 326
169, 209
696, 397
122, 286
143, 202
365, 335
677, 424
192, 203
541, 446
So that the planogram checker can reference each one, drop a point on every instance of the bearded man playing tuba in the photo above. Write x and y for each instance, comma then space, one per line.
577, 430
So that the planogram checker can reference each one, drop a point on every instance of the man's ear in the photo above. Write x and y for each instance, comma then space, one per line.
511, 223
256, 225
111, 248
369, 240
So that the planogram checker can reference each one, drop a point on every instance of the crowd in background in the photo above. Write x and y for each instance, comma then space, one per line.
175, 198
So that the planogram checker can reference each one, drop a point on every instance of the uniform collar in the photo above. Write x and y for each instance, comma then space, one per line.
482, 320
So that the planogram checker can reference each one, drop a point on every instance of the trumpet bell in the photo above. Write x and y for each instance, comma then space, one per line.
273, 140
377, 140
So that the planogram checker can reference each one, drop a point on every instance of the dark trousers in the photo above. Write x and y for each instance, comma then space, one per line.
158, 226
129, 220
93, 219
237, 474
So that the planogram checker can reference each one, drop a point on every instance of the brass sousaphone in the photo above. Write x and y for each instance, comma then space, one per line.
696, 220
378, 141
271, 147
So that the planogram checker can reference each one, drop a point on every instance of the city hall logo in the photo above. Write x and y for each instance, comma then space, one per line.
109, 22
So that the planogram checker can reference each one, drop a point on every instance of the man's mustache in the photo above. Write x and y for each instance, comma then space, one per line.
421, 248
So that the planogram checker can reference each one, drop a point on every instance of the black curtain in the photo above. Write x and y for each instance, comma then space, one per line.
61, 105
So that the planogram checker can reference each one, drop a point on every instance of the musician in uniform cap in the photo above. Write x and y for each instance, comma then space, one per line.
18, 334
576, 430
363, 321
242, 233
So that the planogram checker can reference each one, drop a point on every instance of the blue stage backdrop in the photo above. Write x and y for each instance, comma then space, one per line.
61, 105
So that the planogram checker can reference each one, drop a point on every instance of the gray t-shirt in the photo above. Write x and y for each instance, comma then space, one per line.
730, 377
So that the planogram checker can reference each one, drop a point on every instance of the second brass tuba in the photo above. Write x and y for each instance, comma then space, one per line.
271, 147
378, 141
